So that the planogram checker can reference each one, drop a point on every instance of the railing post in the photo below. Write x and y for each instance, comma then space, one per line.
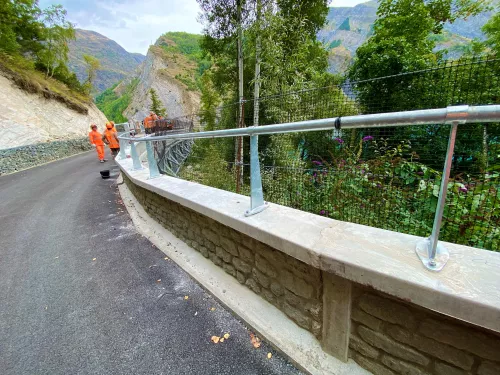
122, 154
153, 167
257, 203
434, 255
135, 156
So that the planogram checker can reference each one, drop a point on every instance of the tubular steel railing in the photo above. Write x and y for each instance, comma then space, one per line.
432, 253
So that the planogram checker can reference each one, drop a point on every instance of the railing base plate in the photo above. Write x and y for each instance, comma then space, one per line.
256, 210
442, 255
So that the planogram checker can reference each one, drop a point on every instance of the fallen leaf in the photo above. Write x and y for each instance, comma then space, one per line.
196, 313
57, 258
226, 336
212, 309
158, 281
166, 258
215, 339
186, 297
255, 341
269, 355
46, 307
94, 258
222, 339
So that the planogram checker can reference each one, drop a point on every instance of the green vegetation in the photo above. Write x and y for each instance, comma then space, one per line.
35, 40
156, 105
345, 25
113, 105
334, 44
188, 45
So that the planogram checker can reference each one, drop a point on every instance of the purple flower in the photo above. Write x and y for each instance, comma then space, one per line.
322, 212
420, 173
367, 138
339, 140
316, 162
314, 174
463, 189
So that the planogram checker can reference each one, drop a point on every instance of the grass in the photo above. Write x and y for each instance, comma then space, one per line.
22, 72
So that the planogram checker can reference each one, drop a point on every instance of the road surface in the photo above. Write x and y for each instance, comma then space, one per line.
81, 292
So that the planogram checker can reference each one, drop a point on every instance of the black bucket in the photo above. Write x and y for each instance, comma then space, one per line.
105, 173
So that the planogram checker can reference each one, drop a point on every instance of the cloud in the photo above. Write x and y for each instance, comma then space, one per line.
134, 24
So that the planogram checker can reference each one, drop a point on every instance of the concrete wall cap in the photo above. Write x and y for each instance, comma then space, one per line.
468, 288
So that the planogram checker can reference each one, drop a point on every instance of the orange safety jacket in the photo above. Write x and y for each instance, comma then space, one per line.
96, 138
109, 134
149, 121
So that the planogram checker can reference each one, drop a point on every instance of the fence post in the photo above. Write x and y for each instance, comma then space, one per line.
123, 155
153, 167
432, 254
135, 156
257, 203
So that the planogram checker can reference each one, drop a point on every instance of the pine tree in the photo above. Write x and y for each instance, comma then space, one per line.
156, 104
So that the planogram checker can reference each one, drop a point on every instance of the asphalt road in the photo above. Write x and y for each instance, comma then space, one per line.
81, 292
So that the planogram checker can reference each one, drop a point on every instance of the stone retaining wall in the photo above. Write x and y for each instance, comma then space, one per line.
386, 336
393, 337
19, 158
292, 286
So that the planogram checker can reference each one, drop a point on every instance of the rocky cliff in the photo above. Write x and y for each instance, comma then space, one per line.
28, 118
164, 73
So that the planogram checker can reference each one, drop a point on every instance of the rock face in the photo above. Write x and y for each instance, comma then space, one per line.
158, 72
27, 119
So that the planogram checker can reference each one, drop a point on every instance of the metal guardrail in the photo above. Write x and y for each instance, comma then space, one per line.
432, 253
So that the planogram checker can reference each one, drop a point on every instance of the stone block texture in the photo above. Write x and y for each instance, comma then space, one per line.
389, 336
19, 158
291, 285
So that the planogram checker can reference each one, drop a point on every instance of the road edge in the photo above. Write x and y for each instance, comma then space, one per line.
297, 344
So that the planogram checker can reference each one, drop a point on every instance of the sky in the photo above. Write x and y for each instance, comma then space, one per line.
135, 24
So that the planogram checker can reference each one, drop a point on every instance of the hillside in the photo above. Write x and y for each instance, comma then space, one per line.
34, 109
348, 27
116, 63
172, 68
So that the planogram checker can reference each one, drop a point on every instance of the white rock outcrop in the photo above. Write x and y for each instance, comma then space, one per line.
29, 118
175, 97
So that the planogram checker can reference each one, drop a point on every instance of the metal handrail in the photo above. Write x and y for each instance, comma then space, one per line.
432, 253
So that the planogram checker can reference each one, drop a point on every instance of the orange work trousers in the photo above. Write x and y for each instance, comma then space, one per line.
100, 152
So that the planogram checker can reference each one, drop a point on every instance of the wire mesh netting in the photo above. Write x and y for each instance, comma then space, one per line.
382, 177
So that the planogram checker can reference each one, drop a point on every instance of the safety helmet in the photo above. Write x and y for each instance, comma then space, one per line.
109, 125
92, 125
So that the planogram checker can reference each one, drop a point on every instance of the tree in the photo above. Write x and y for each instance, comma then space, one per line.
156, 104
20, 29
492, 31
92, 64
58, 32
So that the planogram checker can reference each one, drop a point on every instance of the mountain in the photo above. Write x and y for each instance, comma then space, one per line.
347, 28
116, 63
172, 68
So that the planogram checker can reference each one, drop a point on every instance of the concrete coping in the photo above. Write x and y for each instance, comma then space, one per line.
468, 288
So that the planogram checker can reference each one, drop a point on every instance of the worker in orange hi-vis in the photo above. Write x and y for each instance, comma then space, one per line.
149, 122
96, 139
110, 137
112, 125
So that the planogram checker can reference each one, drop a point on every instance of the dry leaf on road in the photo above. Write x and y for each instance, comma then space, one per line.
215, 339
269, 355
166, 258
226, 336
186, 297
255, 341
94, 258
158, 281
222, 339
212, 309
